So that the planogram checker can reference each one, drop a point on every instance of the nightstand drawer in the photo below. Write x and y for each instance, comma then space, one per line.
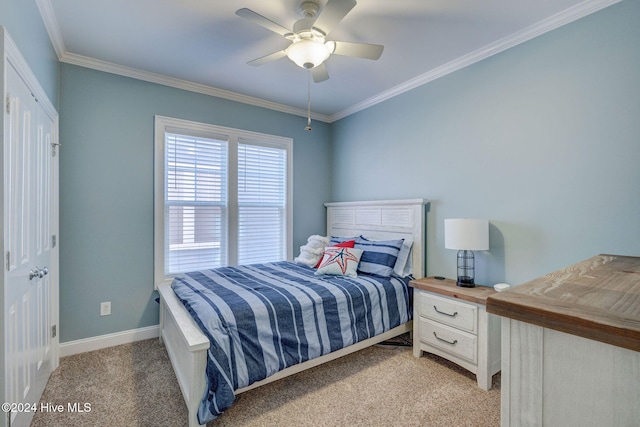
454, 341
453, 313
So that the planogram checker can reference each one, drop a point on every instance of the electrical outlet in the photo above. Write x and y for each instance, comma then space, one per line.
105, 308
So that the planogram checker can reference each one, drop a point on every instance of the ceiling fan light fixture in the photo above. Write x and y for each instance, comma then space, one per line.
308, 53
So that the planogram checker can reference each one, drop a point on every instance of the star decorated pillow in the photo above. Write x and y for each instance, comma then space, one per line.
340, 261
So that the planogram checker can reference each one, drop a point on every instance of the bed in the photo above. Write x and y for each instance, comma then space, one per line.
188, 347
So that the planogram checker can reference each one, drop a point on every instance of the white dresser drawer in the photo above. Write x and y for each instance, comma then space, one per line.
454, 341
457, 314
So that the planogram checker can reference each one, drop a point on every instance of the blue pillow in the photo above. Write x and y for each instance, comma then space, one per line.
378, 256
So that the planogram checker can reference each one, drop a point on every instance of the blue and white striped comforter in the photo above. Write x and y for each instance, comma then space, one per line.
263, 318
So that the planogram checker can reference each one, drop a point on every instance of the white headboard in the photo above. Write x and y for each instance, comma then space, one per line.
383, 219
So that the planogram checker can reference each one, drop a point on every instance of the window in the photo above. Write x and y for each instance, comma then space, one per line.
222, 197
195, 202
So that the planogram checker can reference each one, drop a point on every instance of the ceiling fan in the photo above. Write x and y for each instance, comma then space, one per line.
308, 48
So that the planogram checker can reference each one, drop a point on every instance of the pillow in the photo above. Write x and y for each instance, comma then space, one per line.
347, 244
311, 253
379, 256
404, 266
309, 256
317, 242
340, 261
334, 240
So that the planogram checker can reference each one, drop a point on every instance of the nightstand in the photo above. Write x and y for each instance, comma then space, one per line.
452, 322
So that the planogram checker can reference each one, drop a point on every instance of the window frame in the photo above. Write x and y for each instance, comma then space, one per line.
164, 124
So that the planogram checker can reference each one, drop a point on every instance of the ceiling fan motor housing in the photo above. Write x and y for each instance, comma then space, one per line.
303, 28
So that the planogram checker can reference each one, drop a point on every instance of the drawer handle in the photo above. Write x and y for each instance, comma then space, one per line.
454, 342
446, 314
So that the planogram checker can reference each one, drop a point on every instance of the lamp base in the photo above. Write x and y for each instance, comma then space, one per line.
465, 282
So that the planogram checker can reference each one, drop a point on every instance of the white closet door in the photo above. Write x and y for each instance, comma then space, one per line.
28, 200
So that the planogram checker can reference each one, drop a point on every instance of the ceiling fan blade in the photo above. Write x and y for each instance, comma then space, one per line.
360, 50
332, 14
268, 58
256, 18
320, 73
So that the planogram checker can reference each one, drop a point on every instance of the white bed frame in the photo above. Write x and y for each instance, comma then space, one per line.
187, 346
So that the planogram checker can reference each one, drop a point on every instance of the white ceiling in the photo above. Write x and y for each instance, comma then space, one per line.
202, 45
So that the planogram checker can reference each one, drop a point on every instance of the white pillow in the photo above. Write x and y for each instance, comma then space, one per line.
317, 242
312, 252
308, 257
340, 261
404, 265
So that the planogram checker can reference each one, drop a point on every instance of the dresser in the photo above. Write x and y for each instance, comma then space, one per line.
452, 322
571, 346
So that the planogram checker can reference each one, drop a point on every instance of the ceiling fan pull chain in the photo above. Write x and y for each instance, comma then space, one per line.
308, 100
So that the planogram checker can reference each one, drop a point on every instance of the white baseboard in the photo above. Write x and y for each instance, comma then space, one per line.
108, 340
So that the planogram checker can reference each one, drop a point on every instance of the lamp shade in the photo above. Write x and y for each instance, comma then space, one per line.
466, 234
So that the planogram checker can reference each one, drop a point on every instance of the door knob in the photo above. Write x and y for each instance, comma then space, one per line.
37, 272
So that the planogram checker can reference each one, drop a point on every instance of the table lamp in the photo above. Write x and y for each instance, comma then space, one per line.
466, 235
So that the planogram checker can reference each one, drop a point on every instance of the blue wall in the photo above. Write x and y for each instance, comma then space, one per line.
543, 140
22, 20
106, 189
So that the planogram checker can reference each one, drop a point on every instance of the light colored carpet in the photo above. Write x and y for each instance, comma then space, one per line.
134, 385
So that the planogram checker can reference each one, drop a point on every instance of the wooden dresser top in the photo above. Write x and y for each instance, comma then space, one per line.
447, 287
598, 299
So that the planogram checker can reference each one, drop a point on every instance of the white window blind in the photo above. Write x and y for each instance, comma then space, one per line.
222, 197
195, 203
262, 196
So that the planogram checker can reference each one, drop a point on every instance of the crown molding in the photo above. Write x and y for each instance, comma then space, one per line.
52, 27
109, 67
558, 20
